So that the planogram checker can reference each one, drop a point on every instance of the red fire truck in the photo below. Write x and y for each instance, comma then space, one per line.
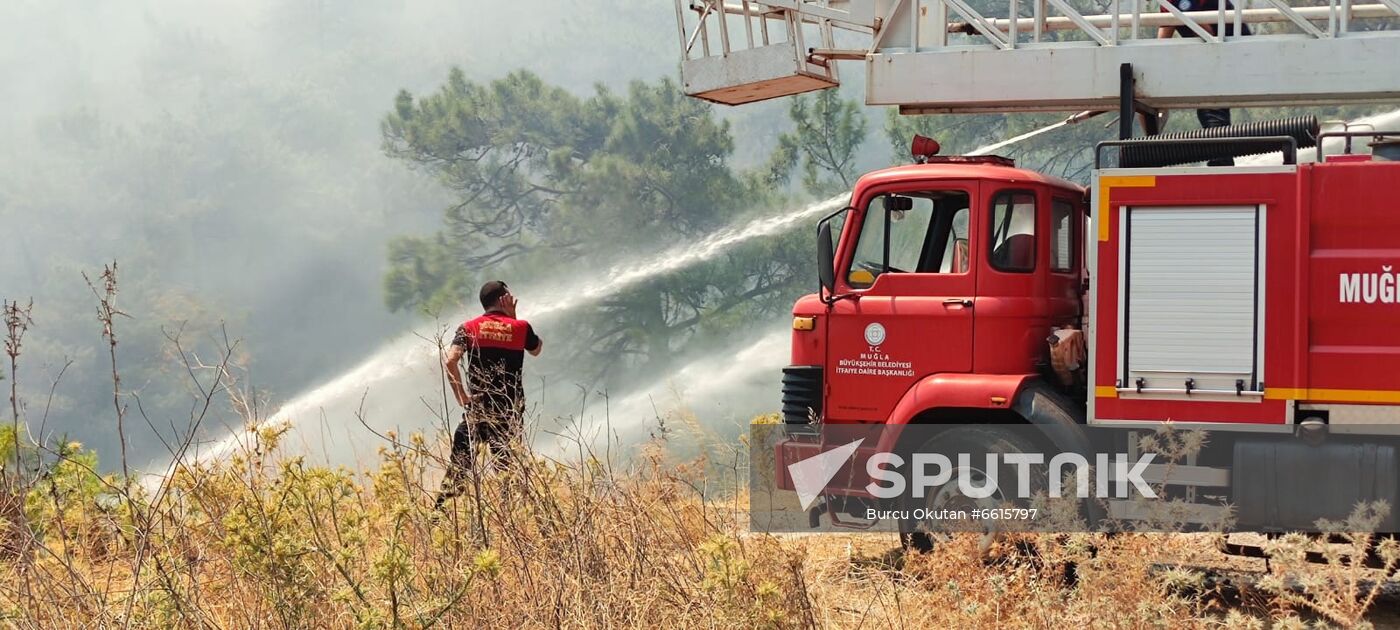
1259, 302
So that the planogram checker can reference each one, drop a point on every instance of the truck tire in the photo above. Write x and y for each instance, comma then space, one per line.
977, 441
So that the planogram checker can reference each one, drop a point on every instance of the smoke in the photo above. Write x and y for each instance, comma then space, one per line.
726, 387
227, 153
400, 387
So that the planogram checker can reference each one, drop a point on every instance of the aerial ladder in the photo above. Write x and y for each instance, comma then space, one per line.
959, 56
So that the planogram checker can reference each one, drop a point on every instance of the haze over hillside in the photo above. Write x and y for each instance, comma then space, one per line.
227, 154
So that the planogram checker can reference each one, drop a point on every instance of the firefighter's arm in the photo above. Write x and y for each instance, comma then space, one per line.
452, 364
533, 343
1166, 32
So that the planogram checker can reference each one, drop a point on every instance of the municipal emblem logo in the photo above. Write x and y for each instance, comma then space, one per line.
875, 334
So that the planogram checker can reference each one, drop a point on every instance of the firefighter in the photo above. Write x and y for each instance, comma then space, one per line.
1208, 117
493, 398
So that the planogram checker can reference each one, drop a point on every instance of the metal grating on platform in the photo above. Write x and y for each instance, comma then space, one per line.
931, 56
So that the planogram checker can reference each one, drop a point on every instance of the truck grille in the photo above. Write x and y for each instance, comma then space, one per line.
802, 393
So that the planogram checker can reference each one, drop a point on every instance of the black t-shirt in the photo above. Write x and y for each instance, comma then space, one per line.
495, 345
1208, 25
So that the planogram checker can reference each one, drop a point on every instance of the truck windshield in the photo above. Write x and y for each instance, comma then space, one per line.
921, 232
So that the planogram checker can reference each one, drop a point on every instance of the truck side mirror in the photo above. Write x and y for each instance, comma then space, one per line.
826, 257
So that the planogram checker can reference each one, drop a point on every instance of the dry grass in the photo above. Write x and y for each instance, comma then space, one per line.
268, 541
263, 539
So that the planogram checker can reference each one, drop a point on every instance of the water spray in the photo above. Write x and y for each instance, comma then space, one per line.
988, 149
409, 353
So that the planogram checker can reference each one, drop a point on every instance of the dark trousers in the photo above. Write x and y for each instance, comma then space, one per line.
499, 434
1215, 118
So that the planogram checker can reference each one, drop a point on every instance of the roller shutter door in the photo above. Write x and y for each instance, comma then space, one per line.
1193, 304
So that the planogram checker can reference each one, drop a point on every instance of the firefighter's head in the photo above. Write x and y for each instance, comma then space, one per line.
496, 295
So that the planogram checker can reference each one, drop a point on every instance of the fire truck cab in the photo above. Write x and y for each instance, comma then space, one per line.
947, 278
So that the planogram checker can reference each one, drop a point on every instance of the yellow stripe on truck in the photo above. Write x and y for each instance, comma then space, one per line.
1106, 184
1105, 391
1333, 395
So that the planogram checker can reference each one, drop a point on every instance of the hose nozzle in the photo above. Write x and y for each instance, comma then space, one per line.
1082, 116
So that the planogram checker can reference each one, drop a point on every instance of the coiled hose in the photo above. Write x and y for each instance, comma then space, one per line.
1303, 130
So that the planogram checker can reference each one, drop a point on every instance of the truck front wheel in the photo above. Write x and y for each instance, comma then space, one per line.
947, 508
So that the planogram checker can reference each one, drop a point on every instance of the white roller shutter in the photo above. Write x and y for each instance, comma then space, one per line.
1192, 283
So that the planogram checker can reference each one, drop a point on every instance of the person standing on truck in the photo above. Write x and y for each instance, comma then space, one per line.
1208, 117
493, 398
